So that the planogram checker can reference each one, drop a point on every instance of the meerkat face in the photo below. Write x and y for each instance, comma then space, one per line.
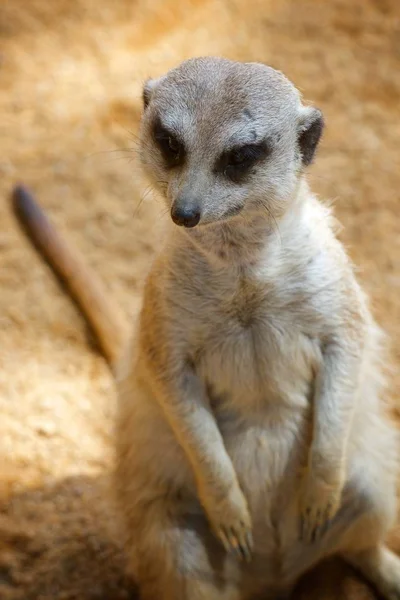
221, 139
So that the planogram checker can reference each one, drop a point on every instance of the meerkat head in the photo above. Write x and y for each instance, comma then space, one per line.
221, 139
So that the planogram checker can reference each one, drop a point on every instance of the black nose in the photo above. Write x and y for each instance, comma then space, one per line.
188, 216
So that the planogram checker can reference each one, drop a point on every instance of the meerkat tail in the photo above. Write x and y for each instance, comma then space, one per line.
101, 313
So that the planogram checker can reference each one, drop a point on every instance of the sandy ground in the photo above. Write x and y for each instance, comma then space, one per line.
70, 80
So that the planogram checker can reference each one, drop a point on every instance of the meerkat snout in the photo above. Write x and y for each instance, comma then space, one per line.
185, 212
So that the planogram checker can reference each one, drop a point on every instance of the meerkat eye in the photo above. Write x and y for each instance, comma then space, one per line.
236, 163
174, 146
246, 155
239, 156
171, 148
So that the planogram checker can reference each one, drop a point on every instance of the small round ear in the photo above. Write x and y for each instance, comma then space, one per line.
310, 127
148, 89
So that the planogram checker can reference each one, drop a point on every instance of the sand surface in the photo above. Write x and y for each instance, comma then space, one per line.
71, 73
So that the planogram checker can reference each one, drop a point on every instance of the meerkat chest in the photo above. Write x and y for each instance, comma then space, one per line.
255, 347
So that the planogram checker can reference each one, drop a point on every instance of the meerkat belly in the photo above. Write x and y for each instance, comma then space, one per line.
269, 453
260, 386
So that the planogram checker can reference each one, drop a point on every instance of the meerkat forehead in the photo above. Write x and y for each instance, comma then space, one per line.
224, 101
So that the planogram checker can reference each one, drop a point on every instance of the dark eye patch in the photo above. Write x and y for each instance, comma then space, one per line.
172, 149
237, 162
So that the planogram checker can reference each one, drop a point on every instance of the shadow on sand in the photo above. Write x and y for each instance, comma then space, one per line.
57, 543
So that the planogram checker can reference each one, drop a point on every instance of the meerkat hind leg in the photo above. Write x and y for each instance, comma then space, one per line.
179, 558
381, 567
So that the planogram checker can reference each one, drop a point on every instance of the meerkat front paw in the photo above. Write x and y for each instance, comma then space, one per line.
319, 503
230, 519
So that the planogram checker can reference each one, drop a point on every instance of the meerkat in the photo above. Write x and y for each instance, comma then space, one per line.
251, 440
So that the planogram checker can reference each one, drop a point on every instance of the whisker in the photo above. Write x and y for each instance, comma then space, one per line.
148, 190
164, 212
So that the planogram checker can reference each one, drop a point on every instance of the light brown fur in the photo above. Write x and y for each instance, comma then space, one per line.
255, 361
250, 394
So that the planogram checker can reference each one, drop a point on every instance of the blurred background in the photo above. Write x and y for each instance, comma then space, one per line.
71, 73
